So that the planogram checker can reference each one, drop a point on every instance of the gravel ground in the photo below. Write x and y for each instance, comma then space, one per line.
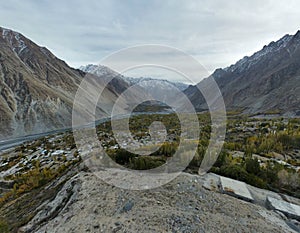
87, 204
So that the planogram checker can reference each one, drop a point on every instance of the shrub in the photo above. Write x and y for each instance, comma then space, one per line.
146, 162
239, 173
123, 157
252, 166
222, 159
4, 227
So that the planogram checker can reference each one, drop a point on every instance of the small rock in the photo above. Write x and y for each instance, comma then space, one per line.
96, 226
95, 210
128, 206
116, 229
118, 223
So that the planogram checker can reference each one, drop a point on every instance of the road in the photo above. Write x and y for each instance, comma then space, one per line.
7, 144
10, 143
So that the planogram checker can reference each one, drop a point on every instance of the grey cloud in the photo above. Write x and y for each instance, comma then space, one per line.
217, 33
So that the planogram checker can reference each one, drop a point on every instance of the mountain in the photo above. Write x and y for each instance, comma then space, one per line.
267, 81
37, 89
147, 82
158, 88
98, 70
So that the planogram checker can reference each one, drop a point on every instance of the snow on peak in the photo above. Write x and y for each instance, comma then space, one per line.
14, 39
246, 62
21, 43
98, 70
145, 82
5, 32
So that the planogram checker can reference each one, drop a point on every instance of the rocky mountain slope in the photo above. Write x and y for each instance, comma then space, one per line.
267, 81
37, 89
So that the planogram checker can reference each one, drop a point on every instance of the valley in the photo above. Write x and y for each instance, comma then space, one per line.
261, 152
46, 184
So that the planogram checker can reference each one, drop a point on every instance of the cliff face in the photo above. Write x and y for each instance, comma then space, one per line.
269, 80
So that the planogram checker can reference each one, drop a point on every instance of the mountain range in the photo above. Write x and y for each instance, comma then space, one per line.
156, 88
37, 89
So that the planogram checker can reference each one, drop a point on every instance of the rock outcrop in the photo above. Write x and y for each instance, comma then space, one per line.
87, 204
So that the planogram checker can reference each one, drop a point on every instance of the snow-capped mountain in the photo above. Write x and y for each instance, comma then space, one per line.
161, 89
246, 62
267, 81
157, 88
148, 82
98, 70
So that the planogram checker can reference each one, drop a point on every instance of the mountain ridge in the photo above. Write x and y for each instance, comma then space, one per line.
37, 89
267, 81
155, 88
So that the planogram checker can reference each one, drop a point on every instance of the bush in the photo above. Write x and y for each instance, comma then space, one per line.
252, 166
146, 162
234, 171
167, 149
239, 173
222, 159
4, 227
123, 157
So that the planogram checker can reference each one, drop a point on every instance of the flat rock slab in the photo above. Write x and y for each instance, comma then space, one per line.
289, 209
235, 188
211, 181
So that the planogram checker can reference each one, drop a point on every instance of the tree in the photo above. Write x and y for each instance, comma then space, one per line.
252, 166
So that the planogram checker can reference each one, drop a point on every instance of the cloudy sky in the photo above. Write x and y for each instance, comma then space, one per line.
216, 32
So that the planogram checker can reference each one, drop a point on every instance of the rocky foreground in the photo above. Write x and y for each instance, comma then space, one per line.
85, 203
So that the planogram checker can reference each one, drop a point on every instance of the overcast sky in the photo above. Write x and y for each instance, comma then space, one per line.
217, 33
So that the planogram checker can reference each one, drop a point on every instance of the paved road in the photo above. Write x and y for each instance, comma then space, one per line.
7, 144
